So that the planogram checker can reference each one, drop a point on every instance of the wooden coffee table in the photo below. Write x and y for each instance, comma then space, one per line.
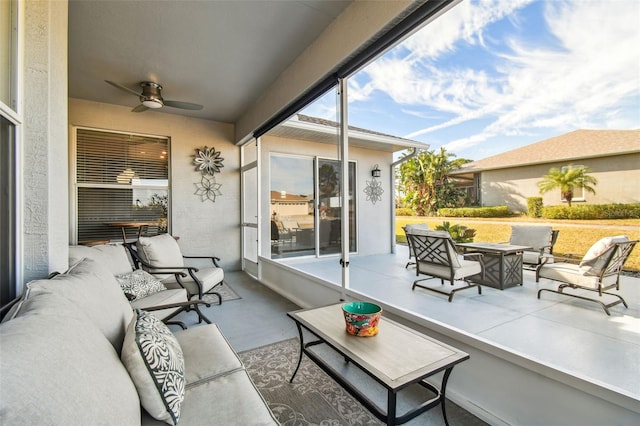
395, 358
502, 263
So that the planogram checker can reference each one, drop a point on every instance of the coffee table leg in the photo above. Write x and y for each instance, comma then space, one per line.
301, 351
391, 408
445, 378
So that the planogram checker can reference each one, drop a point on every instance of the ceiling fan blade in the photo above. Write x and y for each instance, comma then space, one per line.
140, 108
121, 87
182, 105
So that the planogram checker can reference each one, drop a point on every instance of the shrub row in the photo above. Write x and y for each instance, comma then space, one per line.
404, 211
494, 211
592, 211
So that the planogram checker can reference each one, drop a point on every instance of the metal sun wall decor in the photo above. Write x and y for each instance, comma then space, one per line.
208, 162
374, 189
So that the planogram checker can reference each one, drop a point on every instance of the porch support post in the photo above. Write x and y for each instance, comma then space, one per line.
392, 188
344, 162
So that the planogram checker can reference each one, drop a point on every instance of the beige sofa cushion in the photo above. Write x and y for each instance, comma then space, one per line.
114, 256
58, 368
165, 297
92, 289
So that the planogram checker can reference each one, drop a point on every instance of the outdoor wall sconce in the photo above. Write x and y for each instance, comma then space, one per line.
375, 172
373, 188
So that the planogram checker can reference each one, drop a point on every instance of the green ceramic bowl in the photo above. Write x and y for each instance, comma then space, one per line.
362, 318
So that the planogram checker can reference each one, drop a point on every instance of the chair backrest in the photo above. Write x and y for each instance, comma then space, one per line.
408, 229
607, 256
434, 247
537, 237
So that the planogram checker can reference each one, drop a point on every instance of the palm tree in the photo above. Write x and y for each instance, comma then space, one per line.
567, 179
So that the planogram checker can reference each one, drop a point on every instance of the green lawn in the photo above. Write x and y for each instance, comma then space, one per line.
576, 236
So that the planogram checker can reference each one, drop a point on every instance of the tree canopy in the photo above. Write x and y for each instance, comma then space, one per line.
567, 179
425, 183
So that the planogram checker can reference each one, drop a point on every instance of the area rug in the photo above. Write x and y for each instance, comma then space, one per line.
225, 291
312, 399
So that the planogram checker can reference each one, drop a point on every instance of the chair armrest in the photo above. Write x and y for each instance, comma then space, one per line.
177, 305
568, 258
214, 259
478, 255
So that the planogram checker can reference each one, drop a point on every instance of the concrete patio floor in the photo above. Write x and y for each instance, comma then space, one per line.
567, 334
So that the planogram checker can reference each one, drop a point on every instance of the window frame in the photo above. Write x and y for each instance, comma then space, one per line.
75, 186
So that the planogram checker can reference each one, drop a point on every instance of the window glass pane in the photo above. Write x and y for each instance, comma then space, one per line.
330, 206
292, 206
121, 178
7, 212
8, 64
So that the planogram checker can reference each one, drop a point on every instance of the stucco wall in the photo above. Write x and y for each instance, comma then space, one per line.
204, 228
43, 165
617, 176
373, 220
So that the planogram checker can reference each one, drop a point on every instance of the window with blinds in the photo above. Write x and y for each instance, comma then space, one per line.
120, 178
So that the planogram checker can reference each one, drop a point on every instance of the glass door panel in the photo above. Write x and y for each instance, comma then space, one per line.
250, 202
330, 207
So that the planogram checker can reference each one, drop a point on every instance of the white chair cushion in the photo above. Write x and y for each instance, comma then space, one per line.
209, 277
535, 237
165, 297
442, 234
139, 283
161, 250
571, 273
416, 227
467, 268
153, 357
92, 288
595, 258
533, 257
114, 256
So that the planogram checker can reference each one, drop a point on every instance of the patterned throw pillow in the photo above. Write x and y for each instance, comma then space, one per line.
153, 357
139, 283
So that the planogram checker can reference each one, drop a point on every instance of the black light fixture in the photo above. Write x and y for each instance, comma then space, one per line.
375, 172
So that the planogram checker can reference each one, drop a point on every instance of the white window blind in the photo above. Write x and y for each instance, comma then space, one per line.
120, 177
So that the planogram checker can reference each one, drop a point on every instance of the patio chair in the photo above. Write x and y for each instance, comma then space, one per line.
161, 256
541, 239
599, 270
436, 256
407, 230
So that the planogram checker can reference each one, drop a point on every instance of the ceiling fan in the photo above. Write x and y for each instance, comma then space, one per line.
151, 97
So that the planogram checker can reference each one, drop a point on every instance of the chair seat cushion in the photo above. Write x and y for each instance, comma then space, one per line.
164, 297
570, 273
209, 277
467, 268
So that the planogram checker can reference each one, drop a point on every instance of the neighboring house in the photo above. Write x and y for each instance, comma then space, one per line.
613, 156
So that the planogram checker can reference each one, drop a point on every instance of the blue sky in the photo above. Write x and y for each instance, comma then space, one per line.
491, 76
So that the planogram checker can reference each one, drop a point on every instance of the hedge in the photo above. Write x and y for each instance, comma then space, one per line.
592, 211
494, 211
405, 211
534, 206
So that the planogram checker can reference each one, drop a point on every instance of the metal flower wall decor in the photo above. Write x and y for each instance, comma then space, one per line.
208, 162
373, 190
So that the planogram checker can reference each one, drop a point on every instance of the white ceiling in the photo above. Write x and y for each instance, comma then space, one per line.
220, 54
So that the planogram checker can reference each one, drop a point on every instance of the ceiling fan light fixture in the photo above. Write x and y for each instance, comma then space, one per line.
152, 103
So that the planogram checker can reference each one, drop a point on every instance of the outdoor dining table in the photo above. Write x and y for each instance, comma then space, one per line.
133, 224
502, 263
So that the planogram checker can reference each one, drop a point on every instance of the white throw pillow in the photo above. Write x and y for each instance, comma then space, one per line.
139, 284
593, 262
153, 357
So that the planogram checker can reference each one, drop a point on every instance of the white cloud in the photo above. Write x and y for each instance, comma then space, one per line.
581, 78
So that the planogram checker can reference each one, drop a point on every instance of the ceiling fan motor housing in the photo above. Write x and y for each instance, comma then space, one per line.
151, 94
